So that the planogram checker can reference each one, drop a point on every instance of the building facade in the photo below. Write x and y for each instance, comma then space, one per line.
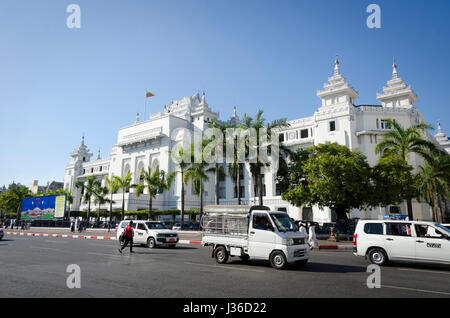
338, 119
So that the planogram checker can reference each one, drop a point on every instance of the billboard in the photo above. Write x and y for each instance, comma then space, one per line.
44, 208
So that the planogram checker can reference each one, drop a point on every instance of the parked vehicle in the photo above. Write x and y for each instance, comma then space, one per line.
411, 241
253, 233
149, 233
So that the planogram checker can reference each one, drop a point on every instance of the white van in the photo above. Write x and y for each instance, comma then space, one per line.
253, 233
149, 233
412, 241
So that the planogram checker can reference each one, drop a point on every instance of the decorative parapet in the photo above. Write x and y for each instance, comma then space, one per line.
142, 136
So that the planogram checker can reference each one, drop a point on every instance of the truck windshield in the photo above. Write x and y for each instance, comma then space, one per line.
283, 222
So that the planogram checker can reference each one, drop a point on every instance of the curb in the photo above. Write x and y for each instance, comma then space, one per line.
91, 237
335, 247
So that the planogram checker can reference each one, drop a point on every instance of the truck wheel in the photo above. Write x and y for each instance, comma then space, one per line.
244, 257
151, 242
221, 255
278, 260
378, 256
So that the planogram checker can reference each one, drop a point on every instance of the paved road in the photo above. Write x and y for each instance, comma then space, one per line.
36, 267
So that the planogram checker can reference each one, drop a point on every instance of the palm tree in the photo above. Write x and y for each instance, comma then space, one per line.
155, 182
124, 184
255, 167
112, 187
88, 188
69, 198
434, 183
182, 166
400, 142
100, 194
197, 173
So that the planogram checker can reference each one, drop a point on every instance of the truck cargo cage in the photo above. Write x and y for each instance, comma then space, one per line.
225, 224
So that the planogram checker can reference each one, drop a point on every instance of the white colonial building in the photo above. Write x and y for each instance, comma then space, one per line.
338, 119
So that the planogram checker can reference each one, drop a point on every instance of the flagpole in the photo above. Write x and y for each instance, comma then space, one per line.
145, 107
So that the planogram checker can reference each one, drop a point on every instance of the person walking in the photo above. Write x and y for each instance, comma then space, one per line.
302, 229
312, 239
128, 237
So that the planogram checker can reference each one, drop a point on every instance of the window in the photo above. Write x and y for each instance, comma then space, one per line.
101, 168
261, 222
394, 209
385, 124
84, 171
398, 229
373, 228
332, 125
378, 124
92, 170
281, 137
141, 226
304, 133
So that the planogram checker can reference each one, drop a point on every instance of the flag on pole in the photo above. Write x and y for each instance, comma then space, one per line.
148, 94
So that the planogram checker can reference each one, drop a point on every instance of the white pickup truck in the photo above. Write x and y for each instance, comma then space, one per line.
253, 232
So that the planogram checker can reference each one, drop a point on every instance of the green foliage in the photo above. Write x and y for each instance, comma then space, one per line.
392, 181
11, 200
332, 176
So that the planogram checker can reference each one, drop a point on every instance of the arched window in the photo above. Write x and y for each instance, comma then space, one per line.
138, 174
155, 165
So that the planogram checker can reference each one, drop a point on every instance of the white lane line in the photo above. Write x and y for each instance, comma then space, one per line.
101, 254
226, 267
417, 290
46, 248
102, 245
423, 271
51, 241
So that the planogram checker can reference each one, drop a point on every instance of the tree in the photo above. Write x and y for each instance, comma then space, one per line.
155, 181
197, 173
12, 199
112, 187
401, 142
100, 194
182, 164
124, 184
88, 188
392, 180
255, 167
434, 183
333, 176
217, 168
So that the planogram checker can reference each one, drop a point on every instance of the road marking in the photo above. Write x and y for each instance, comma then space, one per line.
422, 270
417, 290
226, 267
101, 254
51, 241
47, 248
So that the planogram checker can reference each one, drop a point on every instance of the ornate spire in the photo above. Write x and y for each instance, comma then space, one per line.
439, 128
137, 119
82, 140
336, 66
98, 155
394, 69
234, 111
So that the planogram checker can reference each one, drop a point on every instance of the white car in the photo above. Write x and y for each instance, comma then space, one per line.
149, 233
447, 226
411, 241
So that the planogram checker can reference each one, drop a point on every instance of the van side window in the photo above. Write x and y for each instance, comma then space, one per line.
373, 228
124, 225
398, 229
260, 222
141, 226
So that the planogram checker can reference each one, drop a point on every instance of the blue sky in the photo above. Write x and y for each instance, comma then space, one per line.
58, 83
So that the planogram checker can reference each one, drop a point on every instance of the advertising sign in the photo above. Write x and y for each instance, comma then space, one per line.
44, 208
